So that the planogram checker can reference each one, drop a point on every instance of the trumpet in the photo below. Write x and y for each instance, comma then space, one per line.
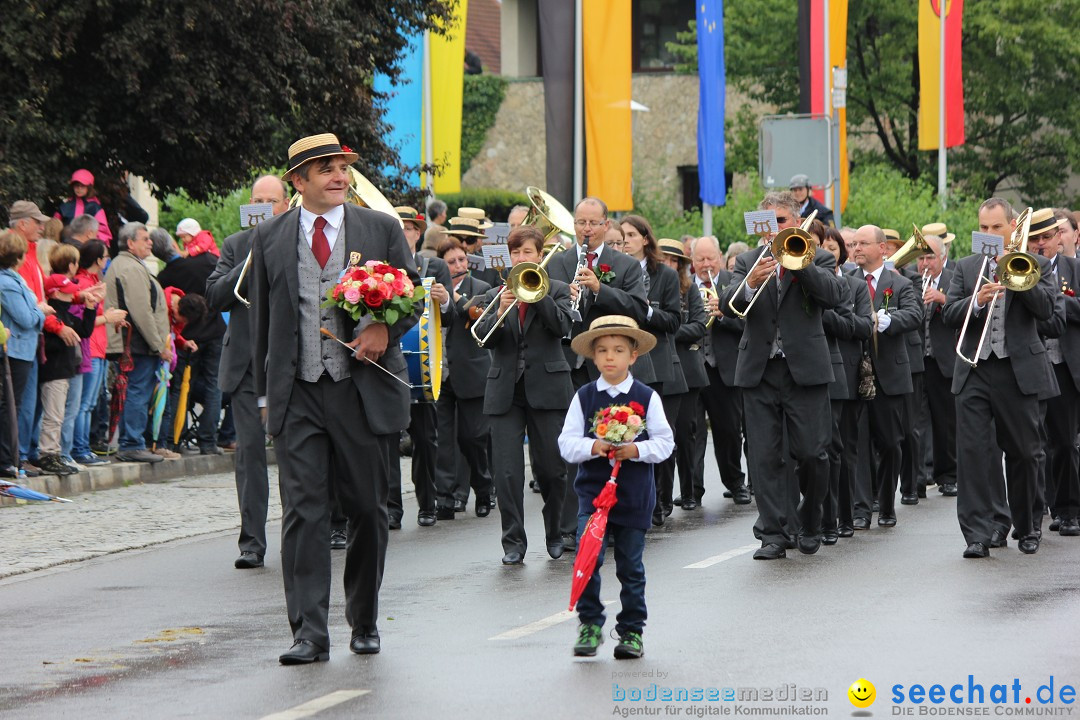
1018, 270
528, 282
793, 248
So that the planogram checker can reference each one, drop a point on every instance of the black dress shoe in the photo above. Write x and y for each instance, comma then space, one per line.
657, 519
727, 493
829, 537
1055, 525
861, 523
910, 499
845, 531
483, 507
338, 540
976, 550
809, 544
248, 560
1029, 545
770, 552
1069, 527
569, 541
303, 652
689, 505
998, 539
460, 506
948, 489
741, 495
425, 518
366, 642
534, 485
444, 513
668, 509
876, 507
886, 521
677, 501
513, 558
922, 492
395, 522
555, 550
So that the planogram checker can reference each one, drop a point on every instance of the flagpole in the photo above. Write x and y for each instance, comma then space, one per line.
942, 167
826, 106
579, 107
706, 219
429, 151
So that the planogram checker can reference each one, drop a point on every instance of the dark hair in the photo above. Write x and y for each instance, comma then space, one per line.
685, 281
305, 169
525, 233
448, 244
835, 235
1069, 216
651, 249
192, 307
817, 229
90, 252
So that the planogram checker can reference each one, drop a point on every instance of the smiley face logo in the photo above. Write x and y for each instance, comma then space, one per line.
862, 693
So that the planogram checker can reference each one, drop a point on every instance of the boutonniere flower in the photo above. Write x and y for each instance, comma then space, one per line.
888, 297
604, 273
1066, 290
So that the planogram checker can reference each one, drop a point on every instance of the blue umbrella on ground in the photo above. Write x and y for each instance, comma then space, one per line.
19, 492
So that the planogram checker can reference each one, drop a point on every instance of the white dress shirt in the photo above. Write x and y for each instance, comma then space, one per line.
576, 447
334, 219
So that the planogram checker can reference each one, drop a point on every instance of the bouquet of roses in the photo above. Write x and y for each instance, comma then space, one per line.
619, 423
376, 289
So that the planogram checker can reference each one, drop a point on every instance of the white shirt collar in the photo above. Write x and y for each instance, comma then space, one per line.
624, 387
599, 251
334, 217
643, 261
876, 274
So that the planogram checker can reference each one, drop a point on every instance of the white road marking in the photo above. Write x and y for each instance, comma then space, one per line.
317, 705
709, 562
535, 627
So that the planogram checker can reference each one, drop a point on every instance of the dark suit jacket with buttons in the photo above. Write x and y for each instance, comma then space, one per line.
726, 334
666, 314
849, 324
689, 337
916, 340
1069, 279
942, 337
236, 346
466, 362
274, 281
1023, 310
624, 295
797, 308
889, 348
547, 373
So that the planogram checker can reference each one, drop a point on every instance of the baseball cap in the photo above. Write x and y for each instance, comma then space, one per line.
22, 209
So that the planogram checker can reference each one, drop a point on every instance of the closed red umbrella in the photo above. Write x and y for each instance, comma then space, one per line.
592, 539
120, 385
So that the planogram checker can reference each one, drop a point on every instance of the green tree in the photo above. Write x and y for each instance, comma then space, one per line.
194, 94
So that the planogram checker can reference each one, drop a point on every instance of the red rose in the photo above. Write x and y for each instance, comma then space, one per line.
1070, 293
888, 292
605, 268
374, 298
622, 416
637, 408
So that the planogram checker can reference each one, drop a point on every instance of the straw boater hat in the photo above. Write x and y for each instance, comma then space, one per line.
613, 325
672, 247
476, 214
409, 215
940, 230
314, 147
891, 235
465, 227
1043, 221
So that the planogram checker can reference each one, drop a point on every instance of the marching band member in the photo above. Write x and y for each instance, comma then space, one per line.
528, 388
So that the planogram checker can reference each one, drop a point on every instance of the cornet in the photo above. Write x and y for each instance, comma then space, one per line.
706, 293
793, 248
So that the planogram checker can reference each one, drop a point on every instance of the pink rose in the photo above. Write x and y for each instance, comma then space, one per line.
634, 421
352, 295
399, 287
384, 289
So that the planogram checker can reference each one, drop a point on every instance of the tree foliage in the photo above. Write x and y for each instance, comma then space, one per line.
193, 94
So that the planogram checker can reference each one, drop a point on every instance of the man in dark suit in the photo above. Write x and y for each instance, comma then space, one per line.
898, 313
464, 426
784, 369
423, 425
721, 400
237, 378
940, 357
321, 398
620, 292
528, 388
1005, 385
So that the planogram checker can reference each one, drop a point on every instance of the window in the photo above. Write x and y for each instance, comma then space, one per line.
655, 23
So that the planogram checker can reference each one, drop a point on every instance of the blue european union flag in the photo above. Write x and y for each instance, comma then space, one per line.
710, 128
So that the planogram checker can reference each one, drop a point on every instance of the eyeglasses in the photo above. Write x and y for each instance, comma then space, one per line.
780, 219
590, 223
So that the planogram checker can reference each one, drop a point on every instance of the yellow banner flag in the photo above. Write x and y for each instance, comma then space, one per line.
606, 30
931, 93
447, 63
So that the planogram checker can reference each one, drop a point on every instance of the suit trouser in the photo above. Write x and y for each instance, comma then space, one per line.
252, 485
423, 429
851, 425
686, 432
885, 413
464, 420
324, 417
991, 393
665, 471
1062, 421
723, 405
942, 403
911, 447
830, 508
777, 404
508, 461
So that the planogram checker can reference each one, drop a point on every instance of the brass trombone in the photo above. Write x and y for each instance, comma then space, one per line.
1018, 270
528, 282
793, 248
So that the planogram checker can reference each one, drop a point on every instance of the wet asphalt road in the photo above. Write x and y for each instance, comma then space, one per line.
174, 631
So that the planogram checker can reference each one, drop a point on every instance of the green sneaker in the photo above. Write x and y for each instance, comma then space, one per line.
630, 646
588, 640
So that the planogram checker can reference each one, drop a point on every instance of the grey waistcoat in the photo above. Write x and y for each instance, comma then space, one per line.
319, 353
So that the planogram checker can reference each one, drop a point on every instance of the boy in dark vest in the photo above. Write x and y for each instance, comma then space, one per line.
613, 343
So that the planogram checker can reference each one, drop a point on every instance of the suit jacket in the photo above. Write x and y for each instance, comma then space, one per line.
467, 362
1023, 310
889, 348
274, 281
796, 308
237, 344
942, 337
849, 324
547, 373
1068, 270
916, 338
666, 314
624, 295
688, 338
726, 335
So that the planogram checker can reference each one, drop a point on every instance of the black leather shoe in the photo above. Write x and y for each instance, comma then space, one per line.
534, 485
861, 523
338, 540
513, 558
1029, 545
460, 506
248, 560
425, 518
910, 499
444, 513
555, 550
886, 521
483, 507
921, 492
569, 541
1055, 525
727, 493
809, 544
668, 509
948, 489
1070, 527
395, 522
657, 519
876, 507
770, 552
366, 642
830, 537
845, 531
303, 652
998, 539
677, 501
976, 550
689, 505
741, 495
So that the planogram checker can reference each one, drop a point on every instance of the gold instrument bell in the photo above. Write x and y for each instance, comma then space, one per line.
915, 247
363, 193
548, 215
793, 248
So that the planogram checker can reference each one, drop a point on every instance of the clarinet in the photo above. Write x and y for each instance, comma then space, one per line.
575, 307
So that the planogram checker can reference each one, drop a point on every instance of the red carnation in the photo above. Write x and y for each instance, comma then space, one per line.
637, 408
622, 416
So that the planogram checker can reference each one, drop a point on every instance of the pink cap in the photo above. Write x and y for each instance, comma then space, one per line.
83, 177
